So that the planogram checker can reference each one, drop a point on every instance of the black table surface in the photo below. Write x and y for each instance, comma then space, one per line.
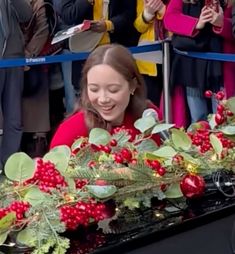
207, 234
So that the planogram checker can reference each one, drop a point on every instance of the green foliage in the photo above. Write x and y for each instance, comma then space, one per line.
3, 237
181, 140
216, 144
102, 192
35, 197
19, 167
165, 152
228, 130
7, 221
161, 127
231, 104
145, 123
147, 145
173, 191
99, 136
27, 237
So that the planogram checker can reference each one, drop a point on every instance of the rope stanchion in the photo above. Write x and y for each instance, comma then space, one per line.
7, 63
207, 55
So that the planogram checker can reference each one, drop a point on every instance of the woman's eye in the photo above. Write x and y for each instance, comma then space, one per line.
93, 90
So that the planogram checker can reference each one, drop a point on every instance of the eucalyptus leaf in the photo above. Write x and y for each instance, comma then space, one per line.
147, 145
19, 167
228, 130
173, 191
99, 136
162, 127
212, 122
7, 221
189, 158
181, 140
216, 144
59, 159
231, 104
132, 203
145, 123
62, 149
77, 144
3, 237
26, 237
71, 184
101, 192
165, 152
35, 197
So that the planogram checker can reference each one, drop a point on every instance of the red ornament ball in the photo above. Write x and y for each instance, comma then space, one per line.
192, 186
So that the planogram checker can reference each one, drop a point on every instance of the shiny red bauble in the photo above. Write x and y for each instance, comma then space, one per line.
192, 186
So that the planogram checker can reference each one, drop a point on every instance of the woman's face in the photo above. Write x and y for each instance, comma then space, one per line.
108, 92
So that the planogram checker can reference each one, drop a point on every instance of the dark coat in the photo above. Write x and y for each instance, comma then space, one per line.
122, 13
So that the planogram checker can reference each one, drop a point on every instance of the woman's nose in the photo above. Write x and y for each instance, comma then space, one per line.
103, 98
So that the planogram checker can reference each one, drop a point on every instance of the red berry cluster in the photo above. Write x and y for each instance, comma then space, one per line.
47, 176
222, 112
201, 139
81, 213
130, 132
80, 183
124, 156
156, 166
19, 207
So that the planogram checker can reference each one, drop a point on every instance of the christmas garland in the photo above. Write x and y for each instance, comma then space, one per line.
42, 198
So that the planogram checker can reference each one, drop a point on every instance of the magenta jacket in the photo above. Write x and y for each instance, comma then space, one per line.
176, 22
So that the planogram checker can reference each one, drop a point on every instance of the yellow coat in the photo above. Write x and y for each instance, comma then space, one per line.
147, 34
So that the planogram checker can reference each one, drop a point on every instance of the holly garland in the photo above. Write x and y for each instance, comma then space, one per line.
42, 198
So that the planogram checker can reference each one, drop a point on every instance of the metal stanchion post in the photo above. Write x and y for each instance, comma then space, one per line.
166, 78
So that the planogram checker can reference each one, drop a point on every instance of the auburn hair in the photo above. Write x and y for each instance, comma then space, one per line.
121, 60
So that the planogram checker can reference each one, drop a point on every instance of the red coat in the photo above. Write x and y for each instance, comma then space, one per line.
75, 127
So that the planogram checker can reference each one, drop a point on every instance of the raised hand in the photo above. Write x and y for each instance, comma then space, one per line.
152, 6
205, 17
98, 26
217, 17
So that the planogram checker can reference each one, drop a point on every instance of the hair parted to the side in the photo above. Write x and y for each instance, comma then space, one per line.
121, 60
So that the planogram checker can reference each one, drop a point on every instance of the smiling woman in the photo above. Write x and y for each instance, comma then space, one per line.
113, 94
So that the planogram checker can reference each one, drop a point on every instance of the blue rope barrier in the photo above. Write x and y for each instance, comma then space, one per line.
207, 55
6, 63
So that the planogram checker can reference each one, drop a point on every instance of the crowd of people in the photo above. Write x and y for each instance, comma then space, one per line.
110, 88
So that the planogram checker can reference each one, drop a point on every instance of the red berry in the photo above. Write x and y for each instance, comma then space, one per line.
229, 113
208, 94
91, 164
161, 171
220, 95
106, 149
219, 119
118, 158
155, 164
220, 109
126, 154
113, 142
134, 161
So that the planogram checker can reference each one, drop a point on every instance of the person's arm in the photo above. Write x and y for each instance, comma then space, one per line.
68, 131
227, 31
40, 33
125, 19
177, 22
74, 12
23, 9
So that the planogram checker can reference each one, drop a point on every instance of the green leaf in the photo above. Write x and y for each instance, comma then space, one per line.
35, 197
26, 237
147, 145
132, 203
145, 123
62, 149
162, 127
19, 167
181, 140
3, 237
228, 130
190, 159
99, 136
60, 157
7, 221
165, 152
212, 122
77, 144
71, 184
216, 144
173, 191
102, 191
231, 104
